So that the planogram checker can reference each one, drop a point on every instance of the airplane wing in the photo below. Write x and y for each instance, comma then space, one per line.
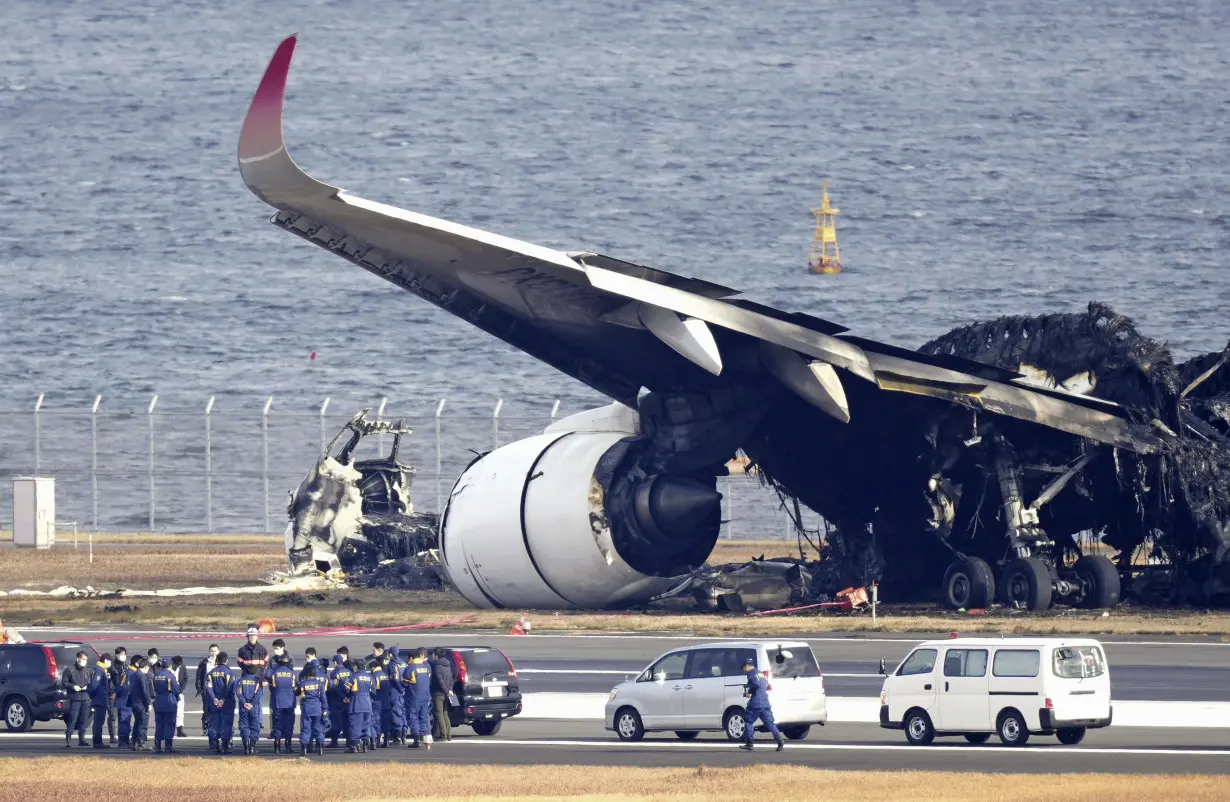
618, 326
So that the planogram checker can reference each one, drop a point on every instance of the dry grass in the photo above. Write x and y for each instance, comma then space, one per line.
150, 561
63, 778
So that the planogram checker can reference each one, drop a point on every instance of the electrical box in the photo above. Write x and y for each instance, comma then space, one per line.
34, 511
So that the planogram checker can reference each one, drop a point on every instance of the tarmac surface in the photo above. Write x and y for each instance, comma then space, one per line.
1161, 670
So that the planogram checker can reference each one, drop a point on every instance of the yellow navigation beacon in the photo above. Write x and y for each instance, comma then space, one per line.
823, 259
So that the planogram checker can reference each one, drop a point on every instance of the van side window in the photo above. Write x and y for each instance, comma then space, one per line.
1016, 663
921, 661
793, 661
669, 667
965, 663
706, 663
735, 660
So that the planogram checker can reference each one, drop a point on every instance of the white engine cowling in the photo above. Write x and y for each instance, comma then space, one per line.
526, 526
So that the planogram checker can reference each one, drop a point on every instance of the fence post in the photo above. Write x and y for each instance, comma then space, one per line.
94, 458
554, 410
439, 410
495, 424
380, 417
209, 466
38, 446
153, 402
324, 406
265, 463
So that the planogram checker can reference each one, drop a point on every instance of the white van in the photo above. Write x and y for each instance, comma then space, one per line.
1009, 686
700, 688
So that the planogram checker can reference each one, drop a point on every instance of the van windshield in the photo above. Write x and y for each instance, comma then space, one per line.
1078, 662
792, 661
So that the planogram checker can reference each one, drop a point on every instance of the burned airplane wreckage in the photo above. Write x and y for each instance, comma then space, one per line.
964, 470
349, 517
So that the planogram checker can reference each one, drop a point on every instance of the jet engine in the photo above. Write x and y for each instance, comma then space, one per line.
576, 517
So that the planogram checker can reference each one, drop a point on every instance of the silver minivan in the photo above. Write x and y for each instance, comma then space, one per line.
699, 689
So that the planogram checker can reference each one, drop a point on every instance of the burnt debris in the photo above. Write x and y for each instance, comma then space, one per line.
356, 518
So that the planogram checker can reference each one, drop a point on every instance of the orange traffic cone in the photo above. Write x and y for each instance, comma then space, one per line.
522, 627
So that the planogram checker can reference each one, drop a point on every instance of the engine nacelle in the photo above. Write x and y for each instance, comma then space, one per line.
559, 520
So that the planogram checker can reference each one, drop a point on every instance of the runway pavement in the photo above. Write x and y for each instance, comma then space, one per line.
568, 676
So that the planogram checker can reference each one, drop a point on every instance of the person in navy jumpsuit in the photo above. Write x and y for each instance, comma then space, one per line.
100, 697
417, 681
358, 700
123, 713
339, 677
220, 704
311, 711
140, 695
758, 707
396, 705
380, 693
282, 702
166, 706
249, 693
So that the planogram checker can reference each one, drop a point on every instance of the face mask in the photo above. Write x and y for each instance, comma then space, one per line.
121, 657
81, 664
278, 651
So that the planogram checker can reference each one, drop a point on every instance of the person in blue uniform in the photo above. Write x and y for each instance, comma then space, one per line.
358, 701
416, 678
140, 696
166, 705
249, 693
220, 702
379, 695
75, 681
311, 711
339, 676
758, 707
396, 698
282, 702
100, 697
123, 692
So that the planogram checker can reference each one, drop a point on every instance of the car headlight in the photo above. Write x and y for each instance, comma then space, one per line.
883, 697
614, 693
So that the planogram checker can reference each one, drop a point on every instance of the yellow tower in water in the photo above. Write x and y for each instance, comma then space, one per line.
823, 259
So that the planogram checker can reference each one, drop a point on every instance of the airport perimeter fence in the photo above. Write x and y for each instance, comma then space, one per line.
171, 469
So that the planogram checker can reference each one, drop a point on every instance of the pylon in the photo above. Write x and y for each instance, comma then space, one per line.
522, 627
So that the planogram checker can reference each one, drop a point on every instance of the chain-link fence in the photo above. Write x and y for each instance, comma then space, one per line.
169, 469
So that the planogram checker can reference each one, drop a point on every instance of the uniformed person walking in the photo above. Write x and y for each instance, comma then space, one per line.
220, 702
758, 707
166, 703
75, 680
311, 711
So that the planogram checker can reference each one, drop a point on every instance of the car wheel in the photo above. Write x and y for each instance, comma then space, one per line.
686, 735
977, 737
1026, 584
796, 732
1101, 581
918, 729
1070, 735
487, 727
734, 725
968, 584
628, 725
1011, 728
17, 715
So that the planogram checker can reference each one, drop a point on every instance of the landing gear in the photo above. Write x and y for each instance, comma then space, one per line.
1026, 584
968, 584
1100, 581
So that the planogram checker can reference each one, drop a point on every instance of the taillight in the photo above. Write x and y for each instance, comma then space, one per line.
52, 668
512, 670
1049, 704
462, 674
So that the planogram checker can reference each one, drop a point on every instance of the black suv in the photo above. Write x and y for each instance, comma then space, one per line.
30, 681
486, 685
